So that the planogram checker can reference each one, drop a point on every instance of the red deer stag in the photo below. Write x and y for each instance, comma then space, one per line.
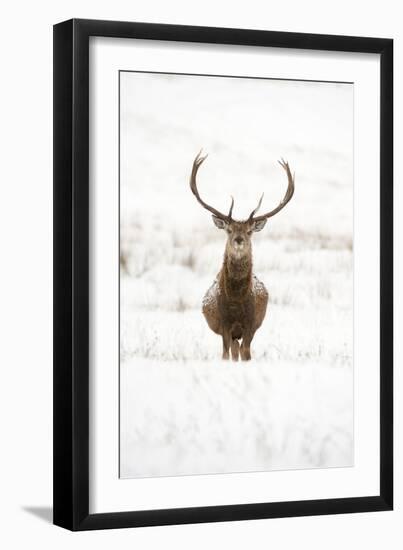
235, 305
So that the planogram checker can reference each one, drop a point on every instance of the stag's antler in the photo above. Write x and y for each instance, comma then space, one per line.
287, 197
193, 186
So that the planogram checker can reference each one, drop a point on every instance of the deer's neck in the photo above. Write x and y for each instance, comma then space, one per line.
236, 275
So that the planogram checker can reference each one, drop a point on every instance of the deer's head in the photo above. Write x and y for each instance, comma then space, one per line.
239, 233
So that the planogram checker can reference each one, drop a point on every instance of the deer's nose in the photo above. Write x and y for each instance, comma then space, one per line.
238, 240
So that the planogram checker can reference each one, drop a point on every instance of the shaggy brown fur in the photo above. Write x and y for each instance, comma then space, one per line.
235, 305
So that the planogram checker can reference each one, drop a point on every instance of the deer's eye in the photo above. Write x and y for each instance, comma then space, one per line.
229, 230
249, 232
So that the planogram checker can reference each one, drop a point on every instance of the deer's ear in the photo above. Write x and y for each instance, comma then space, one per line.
258, 226
221, 224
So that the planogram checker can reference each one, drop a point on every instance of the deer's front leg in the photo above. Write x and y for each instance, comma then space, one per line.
235, 350
245, 347
226, 343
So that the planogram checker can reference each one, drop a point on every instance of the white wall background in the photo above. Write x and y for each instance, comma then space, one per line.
26, 283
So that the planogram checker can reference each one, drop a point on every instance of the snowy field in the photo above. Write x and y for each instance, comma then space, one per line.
183, 409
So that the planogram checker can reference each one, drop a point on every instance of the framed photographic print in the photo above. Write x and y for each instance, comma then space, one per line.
223, 236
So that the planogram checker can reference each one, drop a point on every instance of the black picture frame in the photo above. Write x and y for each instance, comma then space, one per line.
71, 274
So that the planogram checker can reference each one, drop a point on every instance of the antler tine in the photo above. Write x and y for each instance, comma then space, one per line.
257, 207
287, 197
193, 186
230, 208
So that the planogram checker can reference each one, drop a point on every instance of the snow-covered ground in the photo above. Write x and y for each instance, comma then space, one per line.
183, 410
